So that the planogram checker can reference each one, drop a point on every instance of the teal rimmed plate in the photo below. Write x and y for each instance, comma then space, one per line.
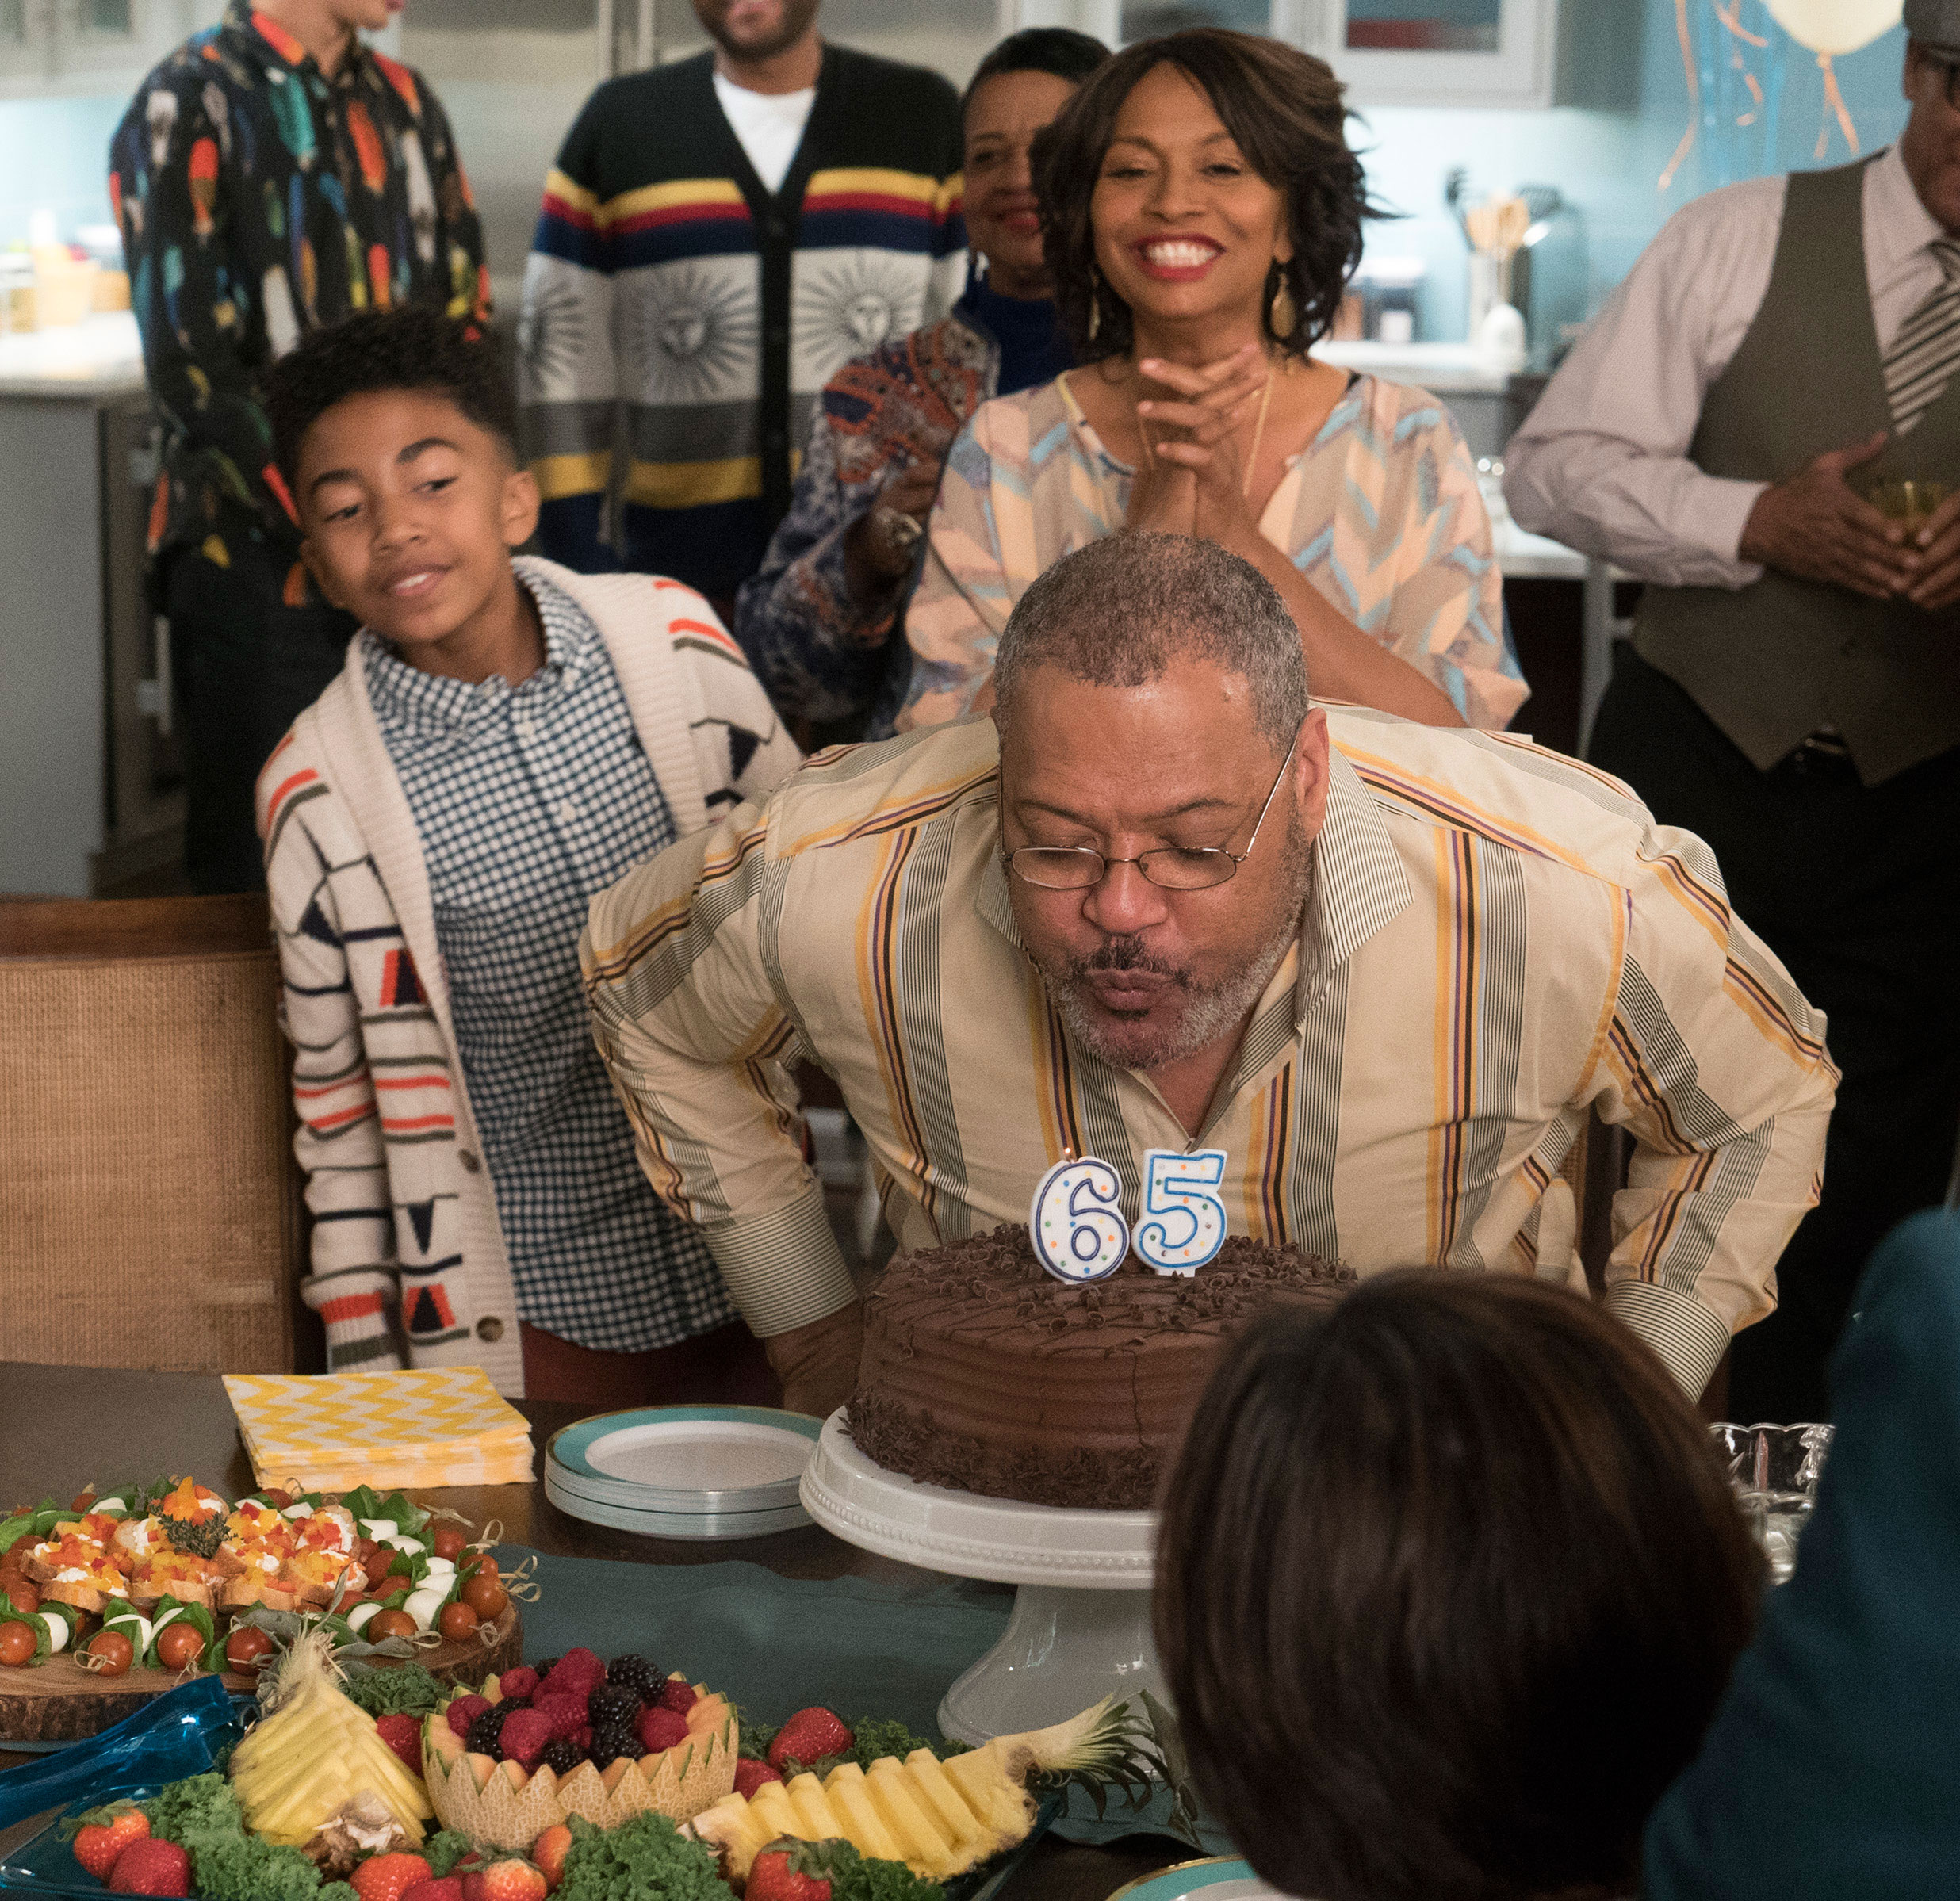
674, 1524
686, 1458
1214, 1878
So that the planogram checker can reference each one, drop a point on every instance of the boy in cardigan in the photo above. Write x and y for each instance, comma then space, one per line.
506, 739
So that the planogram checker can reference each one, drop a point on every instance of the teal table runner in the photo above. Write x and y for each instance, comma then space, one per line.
773, 1645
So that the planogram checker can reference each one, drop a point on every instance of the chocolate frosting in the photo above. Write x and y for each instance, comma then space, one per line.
983, 1372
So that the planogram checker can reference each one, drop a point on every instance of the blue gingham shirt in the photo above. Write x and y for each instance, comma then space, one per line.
529, 800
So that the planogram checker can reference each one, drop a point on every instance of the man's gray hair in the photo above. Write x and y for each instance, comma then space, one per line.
1119, 612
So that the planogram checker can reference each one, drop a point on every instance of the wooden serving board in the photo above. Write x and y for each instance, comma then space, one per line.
60, 1702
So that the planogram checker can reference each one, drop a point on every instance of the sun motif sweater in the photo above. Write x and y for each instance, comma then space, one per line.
409, 1264
669, 290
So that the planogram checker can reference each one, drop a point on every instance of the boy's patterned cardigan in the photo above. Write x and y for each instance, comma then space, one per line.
408, 1262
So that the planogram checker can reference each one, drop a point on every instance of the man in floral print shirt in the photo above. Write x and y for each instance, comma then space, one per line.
270, 176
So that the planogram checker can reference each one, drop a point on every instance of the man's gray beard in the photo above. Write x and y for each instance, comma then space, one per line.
1209, 1015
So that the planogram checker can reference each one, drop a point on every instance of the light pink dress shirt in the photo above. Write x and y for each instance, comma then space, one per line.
1601, 463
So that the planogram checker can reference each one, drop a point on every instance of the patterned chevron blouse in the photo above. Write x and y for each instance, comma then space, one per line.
258, 198
1380, 512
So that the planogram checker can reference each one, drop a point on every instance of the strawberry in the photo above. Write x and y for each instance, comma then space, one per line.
790, 1870
150, 1867
679, 1695
549, 1852
105, 1833
403, 1735
464, 1711
523, 1681
808, 1734
511, 1878
750, 1775
565, 1714
523, 1737
384, 1877
661, 1729
449, 1888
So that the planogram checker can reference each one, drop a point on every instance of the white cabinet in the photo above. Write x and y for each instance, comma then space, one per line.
1505, 53
54, 47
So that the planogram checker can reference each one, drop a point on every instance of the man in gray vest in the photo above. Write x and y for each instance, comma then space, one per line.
1784, 348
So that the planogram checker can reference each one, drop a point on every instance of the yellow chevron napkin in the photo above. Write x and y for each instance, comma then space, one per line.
413, 1426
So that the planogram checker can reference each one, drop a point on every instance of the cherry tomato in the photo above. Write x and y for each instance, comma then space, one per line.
389, 1623
278, 1500
178, 1645
82, 1501
247, 1648
473, 1560
115, 1651
21, 1594
16, 1645
485, 1595
457, 1622
448, 1542
378, 1561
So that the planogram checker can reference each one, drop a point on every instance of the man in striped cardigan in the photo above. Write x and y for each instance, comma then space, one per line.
718, 237
506, 739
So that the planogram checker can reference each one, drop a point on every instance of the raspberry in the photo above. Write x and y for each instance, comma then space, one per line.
661, 1728
464, 1711
579, 1670
523, 1681
561, 1755
679, 1695
566, 1715
525, 1736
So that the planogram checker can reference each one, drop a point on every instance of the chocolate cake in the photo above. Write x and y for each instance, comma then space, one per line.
984, 1373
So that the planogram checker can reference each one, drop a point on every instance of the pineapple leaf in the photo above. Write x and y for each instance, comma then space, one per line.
1174, 1766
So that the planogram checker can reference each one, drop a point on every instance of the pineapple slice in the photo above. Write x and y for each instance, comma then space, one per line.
940, 1818
819, 1821
864, 1827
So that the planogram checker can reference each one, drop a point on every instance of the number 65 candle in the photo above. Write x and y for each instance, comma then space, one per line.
1076, 1220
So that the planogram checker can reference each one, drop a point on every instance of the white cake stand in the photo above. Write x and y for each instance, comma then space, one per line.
1081, 1628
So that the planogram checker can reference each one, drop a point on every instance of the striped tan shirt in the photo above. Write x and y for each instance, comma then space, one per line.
1496, 939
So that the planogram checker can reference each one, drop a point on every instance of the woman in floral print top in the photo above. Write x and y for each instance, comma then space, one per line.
264, 189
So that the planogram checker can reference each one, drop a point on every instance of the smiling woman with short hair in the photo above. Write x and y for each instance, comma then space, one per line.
1201, 211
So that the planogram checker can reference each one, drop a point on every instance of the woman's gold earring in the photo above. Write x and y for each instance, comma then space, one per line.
1095, 306
1283, 313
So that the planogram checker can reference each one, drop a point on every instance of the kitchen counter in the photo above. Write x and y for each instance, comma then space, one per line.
96, 360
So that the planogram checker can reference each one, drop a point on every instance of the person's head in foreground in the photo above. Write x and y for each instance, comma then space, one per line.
1201, 181
1449, 1583
1163, 777
397, 434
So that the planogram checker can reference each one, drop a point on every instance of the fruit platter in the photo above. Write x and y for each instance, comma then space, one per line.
110, 1600
577, 1777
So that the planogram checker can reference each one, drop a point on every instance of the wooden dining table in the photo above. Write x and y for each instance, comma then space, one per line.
64, 1428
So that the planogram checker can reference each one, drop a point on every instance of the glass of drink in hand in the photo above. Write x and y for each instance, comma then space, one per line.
1908, 501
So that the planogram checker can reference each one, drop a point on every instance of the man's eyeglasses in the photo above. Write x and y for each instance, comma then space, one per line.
1175, 867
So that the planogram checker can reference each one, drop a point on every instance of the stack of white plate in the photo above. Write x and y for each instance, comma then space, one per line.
683, 1472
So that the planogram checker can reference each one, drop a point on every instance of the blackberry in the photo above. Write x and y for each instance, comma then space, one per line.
613, 1742
561, 1756
485, 1737
638, 1674
612, 1706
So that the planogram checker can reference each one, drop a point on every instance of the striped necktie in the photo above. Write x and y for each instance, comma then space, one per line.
1927, 350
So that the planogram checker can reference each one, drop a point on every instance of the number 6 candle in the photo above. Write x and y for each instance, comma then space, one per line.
1075, 1223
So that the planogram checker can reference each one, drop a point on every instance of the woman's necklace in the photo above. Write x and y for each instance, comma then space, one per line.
1258, 435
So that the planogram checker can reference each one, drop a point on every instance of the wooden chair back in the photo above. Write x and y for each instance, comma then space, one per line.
150, 1215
